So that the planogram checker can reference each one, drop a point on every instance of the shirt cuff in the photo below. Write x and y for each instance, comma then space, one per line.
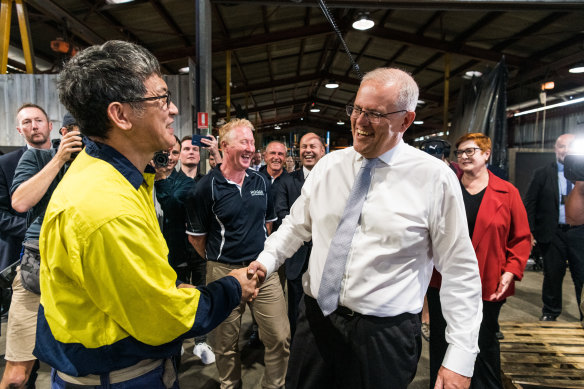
268, 262
459, 361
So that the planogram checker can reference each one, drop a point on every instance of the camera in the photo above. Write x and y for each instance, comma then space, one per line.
160, 159
574, 167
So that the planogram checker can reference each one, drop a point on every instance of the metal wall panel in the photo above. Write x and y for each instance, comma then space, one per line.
17, 89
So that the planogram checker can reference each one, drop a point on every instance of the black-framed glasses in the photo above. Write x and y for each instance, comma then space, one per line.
373, 117
469, 152
151, 98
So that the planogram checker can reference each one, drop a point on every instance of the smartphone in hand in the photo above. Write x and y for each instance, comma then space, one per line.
197, 140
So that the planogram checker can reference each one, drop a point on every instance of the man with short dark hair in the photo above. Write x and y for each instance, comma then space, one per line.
36, 177
311, 151
230, 214
33, 124
379, 214
111, 312
256, 161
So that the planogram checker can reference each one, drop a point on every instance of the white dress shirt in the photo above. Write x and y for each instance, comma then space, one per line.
413, 218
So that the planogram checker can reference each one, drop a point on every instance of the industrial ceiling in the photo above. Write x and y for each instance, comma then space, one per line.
284, 52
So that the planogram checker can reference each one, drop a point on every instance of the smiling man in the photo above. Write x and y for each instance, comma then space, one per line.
311, 151
380, 214
111, 313
229, 216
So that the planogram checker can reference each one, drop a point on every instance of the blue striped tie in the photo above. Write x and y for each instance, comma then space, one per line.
334, 267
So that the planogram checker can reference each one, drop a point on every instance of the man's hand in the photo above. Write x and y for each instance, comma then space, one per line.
533, 241
256, 268
70, 143
447, 379
213, 147
249, 284
504, 282
181, 286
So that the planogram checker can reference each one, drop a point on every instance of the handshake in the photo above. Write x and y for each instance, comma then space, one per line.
250, 278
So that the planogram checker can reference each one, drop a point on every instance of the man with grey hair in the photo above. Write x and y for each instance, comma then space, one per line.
111, 312
380, 214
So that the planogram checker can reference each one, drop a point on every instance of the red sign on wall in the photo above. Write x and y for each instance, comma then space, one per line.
202, 120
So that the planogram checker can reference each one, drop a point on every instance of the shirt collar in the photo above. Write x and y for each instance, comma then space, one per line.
118, 161
305, 171
560, 167
388, 156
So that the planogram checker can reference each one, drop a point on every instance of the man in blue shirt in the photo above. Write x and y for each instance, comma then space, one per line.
229, 216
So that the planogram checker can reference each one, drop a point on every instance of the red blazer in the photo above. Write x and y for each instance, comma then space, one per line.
501, 237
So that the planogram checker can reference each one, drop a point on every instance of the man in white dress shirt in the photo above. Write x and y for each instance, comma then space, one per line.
413, 217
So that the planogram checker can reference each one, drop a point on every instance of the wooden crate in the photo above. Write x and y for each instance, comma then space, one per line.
542, 355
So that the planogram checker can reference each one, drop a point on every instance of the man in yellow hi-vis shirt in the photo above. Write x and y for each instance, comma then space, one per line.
111, 313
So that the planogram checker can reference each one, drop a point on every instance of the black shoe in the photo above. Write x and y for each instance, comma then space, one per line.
499, 335
254, 340
547, 318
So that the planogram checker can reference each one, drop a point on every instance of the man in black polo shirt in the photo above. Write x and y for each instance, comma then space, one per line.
229, 215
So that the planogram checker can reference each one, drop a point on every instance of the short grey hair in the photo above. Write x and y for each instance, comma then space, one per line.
100, 75
408, 92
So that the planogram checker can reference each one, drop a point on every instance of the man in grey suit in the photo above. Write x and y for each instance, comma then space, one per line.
545, 207
311, 150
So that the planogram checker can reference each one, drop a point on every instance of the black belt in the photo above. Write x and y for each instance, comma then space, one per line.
344, 311
564, 227
242, 263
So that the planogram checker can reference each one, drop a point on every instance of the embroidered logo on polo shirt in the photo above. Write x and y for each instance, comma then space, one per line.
258, 192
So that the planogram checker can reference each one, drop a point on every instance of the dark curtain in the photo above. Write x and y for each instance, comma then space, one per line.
481, 108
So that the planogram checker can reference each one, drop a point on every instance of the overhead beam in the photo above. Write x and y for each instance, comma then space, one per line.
444, 5
55, 12
251, 41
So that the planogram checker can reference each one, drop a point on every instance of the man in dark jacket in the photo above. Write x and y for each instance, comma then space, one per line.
311, 150
544, 203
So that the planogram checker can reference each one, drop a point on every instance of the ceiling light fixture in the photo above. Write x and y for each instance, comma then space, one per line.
472, 74
363, 22
118, 1
331, 84
578, 68
277, 127
314, 108
562, 104
340, 122
418, 122
421, 102
183, 70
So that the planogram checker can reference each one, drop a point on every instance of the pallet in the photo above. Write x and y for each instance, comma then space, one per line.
542, 355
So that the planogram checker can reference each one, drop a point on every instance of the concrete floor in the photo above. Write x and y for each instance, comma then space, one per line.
525, 306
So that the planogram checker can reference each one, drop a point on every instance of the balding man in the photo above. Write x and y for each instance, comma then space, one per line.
288, 190
545, 205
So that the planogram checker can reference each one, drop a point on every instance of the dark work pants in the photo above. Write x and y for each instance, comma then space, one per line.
438, 343
565, 246
487, 371
295, 293
357, 352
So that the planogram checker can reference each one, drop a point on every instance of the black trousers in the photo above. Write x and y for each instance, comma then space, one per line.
565, 246
295, 293
357, 352
487, 371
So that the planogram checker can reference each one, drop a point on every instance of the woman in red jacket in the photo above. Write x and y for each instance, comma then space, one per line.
499, 230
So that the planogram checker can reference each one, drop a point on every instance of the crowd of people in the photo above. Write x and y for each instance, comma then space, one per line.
120, 257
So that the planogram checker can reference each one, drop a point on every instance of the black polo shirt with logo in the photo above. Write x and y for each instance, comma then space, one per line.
233, 220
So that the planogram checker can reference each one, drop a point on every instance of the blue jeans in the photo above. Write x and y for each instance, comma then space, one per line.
150, 380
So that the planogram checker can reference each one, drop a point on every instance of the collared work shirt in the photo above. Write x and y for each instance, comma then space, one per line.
413, 217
